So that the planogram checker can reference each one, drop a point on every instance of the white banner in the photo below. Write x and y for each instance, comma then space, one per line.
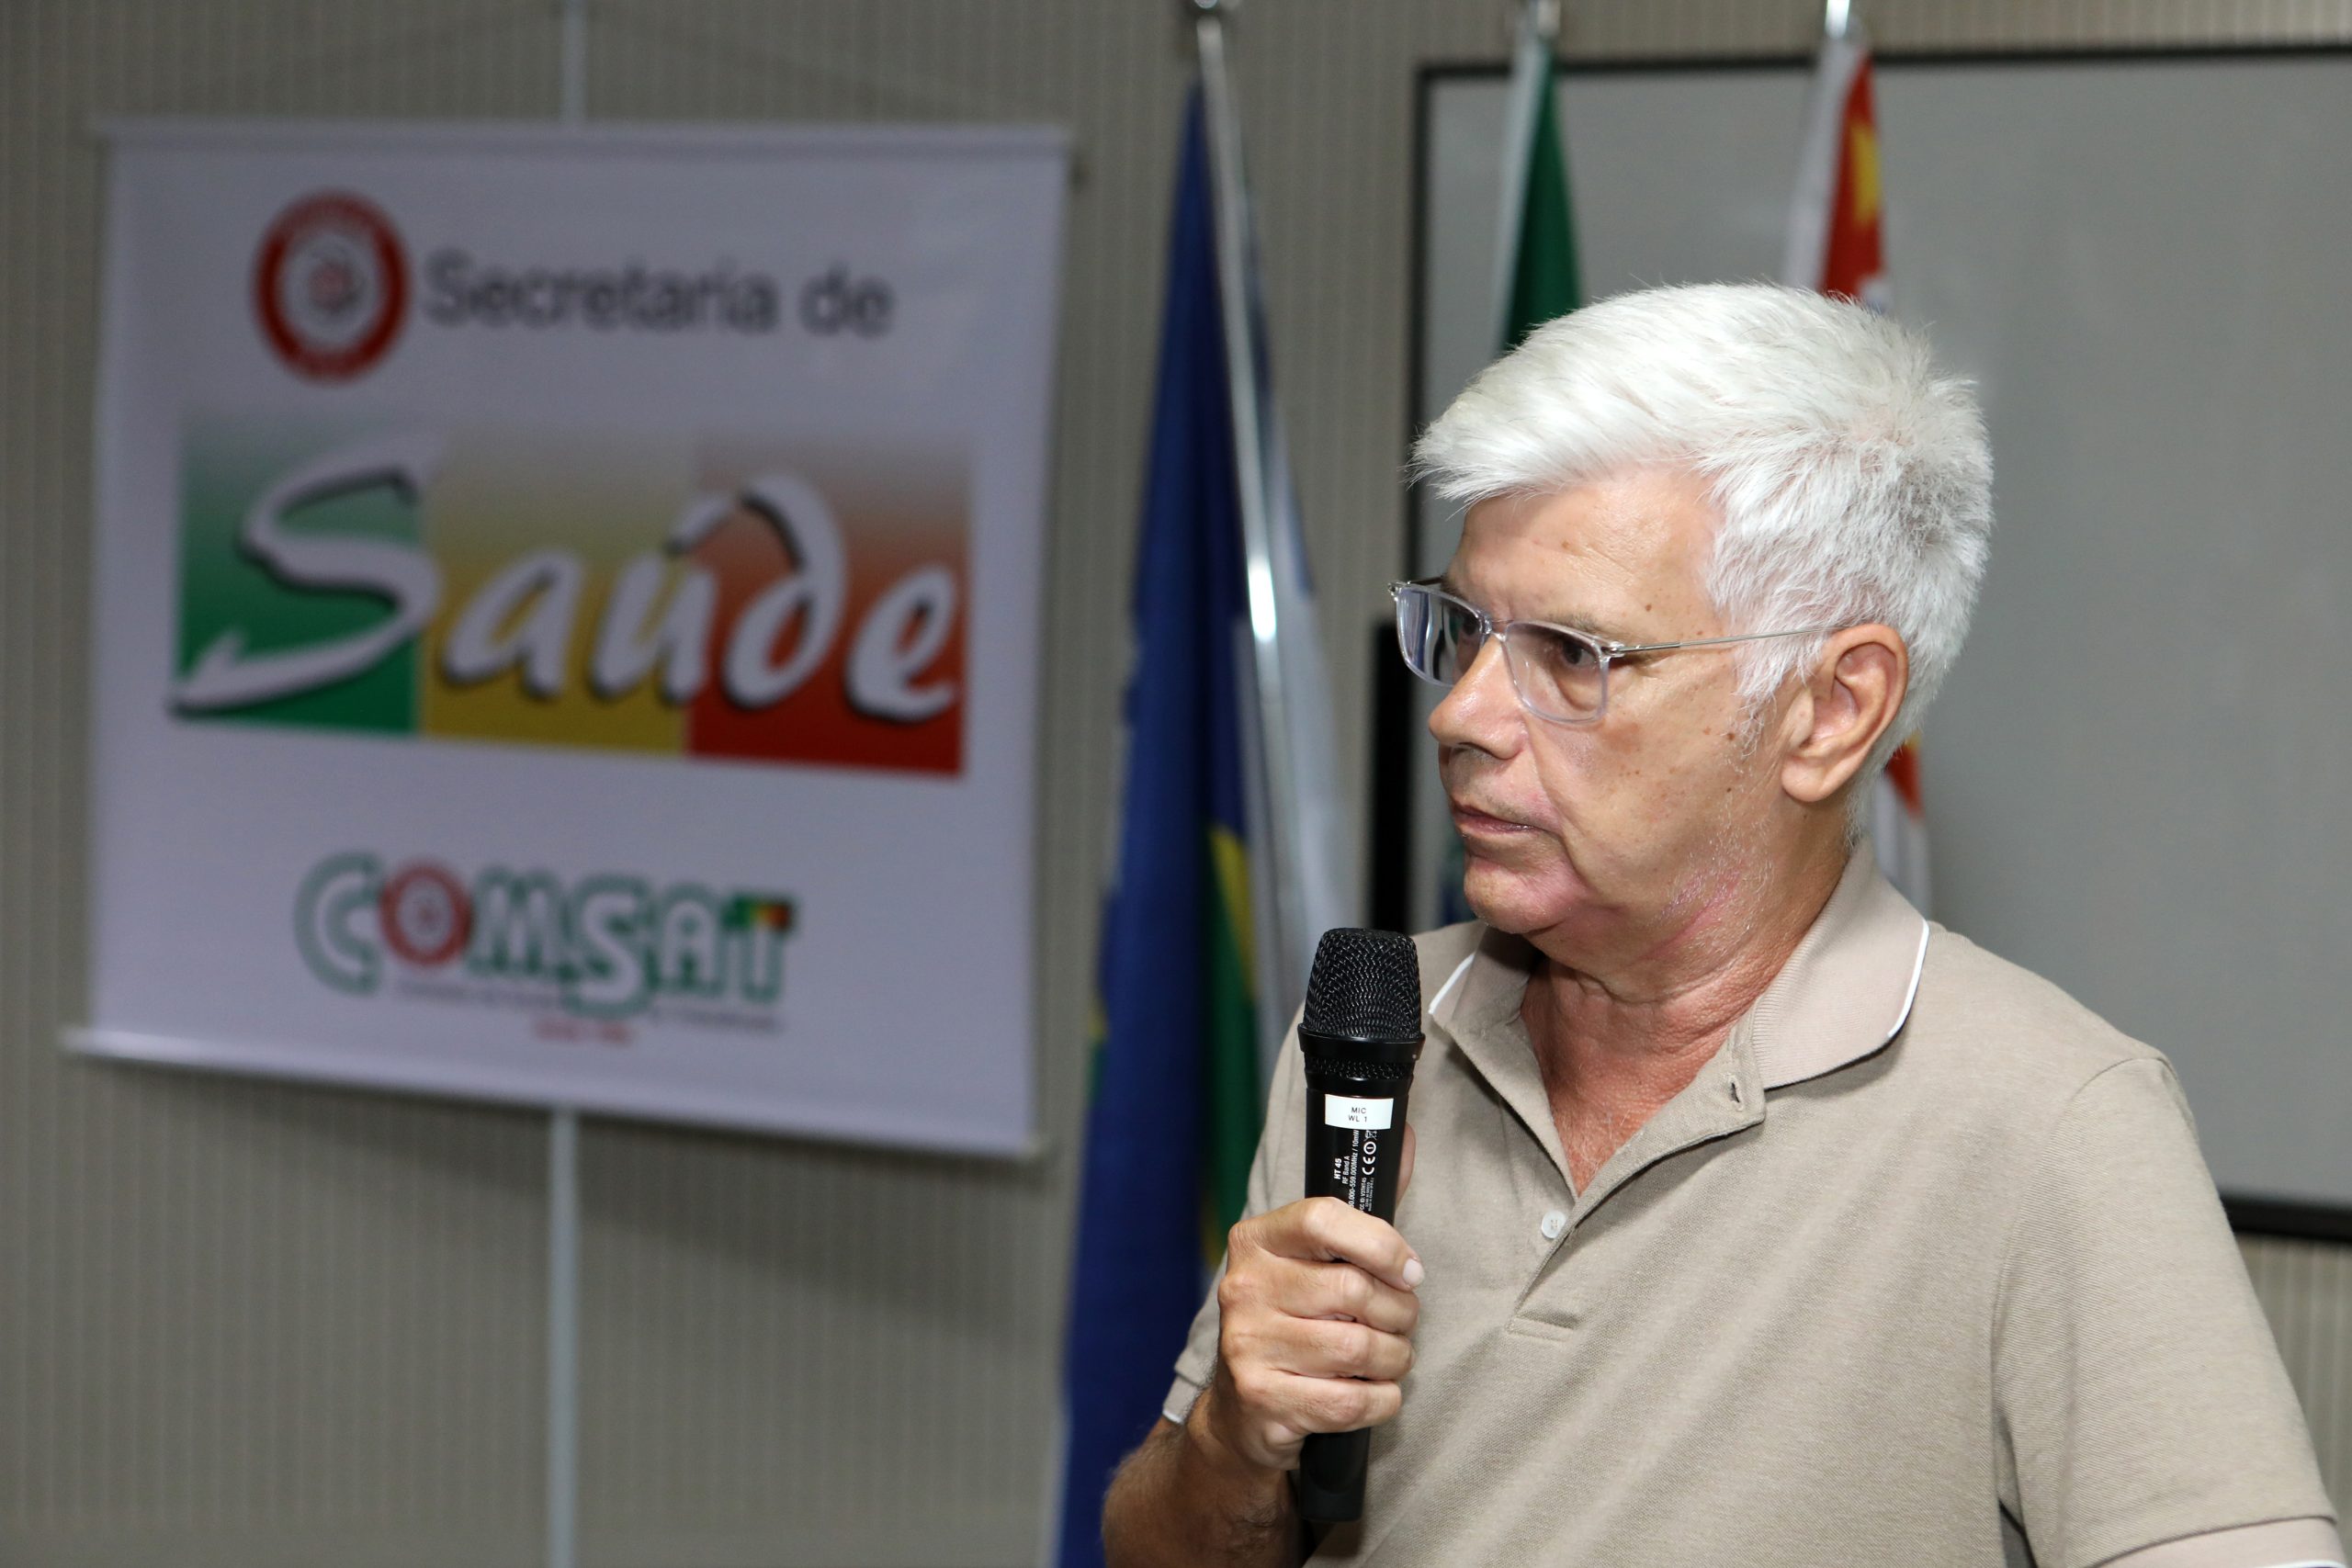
567, 615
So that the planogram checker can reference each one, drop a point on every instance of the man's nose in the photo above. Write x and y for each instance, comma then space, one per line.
1482, 711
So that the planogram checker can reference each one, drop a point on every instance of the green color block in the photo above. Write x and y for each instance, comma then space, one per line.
224, 470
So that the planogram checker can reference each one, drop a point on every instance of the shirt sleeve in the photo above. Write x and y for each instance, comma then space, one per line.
2282, 1543
1277, 1176
2140, 1397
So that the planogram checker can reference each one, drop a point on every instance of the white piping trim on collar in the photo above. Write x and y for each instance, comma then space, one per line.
1918, 968
1451, 981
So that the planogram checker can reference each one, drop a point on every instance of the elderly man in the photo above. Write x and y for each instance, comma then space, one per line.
1757, 1220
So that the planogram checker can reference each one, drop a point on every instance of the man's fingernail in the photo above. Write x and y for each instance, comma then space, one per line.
1413, 1272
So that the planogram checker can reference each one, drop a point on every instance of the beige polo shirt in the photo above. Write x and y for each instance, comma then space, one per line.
1922, 1268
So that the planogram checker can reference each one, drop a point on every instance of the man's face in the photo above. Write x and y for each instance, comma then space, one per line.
1620, 838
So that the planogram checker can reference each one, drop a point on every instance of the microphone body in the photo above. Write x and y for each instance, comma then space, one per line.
1360, 1035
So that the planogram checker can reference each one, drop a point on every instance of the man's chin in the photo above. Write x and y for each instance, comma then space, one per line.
1511, 901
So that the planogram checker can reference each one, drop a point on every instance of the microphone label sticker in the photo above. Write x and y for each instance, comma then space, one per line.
1338, 1110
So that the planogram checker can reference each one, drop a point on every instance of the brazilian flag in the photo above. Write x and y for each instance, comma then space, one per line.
1176, 1095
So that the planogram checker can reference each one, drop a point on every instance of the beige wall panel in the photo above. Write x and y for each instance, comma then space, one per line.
251, 1324
239, 1322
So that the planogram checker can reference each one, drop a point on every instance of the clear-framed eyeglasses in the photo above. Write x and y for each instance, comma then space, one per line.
1559, 673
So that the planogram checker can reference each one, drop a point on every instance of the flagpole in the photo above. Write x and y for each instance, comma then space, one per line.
1278, 767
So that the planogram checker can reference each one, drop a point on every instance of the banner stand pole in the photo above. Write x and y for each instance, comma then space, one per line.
563, 1121
563, 1336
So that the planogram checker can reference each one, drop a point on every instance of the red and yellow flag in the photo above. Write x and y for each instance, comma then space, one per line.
1837, 245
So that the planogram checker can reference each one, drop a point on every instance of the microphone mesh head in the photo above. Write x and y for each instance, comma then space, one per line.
1366, 985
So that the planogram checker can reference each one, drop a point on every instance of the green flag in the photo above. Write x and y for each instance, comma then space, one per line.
1542, 277
1535, 272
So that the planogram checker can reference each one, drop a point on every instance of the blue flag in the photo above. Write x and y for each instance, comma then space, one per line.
1175, 1104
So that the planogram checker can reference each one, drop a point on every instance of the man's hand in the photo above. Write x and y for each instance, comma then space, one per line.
1316, 1306
1315, 1313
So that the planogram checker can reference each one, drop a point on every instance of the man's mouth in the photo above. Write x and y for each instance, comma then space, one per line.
1471, 819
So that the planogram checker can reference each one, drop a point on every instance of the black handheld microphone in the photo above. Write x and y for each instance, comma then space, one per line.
1361, 1034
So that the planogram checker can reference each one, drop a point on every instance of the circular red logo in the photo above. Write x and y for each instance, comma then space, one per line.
330, 285
425, 915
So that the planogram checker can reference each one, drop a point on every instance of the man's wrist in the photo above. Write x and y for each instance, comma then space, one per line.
1229, 1470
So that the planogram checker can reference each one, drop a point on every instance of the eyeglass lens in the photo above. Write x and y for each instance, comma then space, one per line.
1557, 675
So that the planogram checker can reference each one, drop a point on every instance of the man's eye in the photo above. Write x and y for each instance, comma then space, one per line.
1571, 653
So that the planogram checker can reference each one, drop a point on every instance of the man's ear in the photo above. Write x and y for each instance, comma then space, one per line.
1852, 694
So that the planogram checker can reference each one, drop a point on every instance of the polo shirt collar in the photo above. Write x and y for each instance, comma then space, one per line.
1843, 995
1846, 990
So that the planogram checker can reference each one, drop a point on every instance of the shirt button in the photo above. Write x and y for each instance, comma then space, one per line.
1553, 1223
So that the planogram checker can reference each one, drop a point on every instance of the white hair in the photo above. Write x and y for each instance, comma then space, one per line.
1853, 477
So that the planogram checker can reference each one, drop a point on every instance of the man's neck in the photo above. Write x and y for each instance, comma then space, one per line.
1645, 1031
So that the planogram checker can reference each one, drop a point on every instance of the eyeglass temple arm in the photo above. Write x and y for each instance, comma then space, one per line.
1615, 649
1618, 650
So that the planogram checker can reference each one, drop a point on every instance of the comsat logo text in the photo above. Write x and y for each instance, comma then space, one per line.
604, 946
